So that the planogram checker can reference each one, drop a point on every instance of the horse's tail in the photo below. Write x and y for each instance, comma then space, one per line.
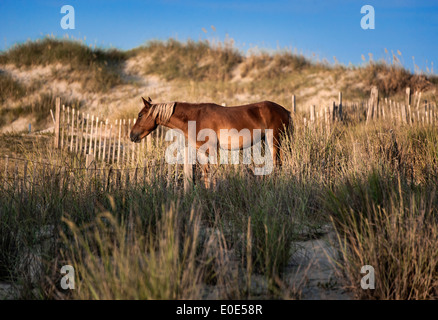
288, 127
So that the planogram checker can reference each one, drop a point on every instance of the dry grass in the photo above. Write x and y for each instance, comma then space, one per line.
188, 71
194, 61
375, 181
98, 69
271, 66
124, 261
151, 241
395, 231
392, 79
39, 110
10, 88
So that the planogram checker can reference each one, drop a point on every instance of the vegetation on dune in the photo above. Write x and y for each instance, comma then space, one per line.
193, 61
386, 222
272, 66
38, 109
47, 51
205, 70
202, 61
10, 88
374, 182
391, 79
98, 69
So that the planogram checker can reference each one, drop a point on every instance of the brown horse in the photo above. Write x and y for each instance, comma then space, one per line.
261, 115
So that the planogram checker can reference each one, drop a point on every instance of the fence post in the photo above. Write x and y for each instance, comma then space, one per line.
86, 134
34, 175
294, 106
340, 105
77, 132
63, 127
57, 121
95, 137
6, 170
149, 142
118, 179
403, 113
16, 186
374, 99
169, 178
67, 129
103, 178
104, 140
133, 145
312, 114
391, 111
81, 135
72, 129
108, 179
176, 175
115, 142
334, 110
143, 149
118, 148
136, 175
99, 153
25, 176
426, 111
408, 96
188, 170
89, 158
145, 165
127, 178
62, 177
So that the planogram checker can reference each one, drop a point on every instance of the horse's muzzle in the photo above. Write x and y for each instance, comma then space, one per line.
135, 137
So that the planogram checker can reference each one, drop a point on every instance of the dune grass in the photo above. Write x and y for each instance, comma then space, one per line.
196, 71
10, 88
194, 61
392, 226
99, 69
393, 78
39, 110
375, 183
48, 50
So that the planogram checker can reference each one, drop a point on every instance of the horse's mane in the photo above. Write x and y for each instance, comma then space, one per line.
162, 111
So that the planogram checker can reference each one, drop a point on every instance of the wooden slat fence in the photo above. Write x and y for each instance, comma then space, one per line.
21, 176
108, 141
412, 111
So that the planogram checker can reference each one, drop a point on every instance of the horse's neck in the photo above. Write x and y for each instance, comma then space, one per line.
179, 118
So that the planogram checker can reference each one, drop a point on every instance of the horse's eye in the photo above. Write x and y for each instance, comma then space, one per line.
140, 115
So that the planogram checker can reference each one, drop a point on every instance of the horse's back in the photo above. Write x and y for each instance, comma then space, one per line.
277, 113
265, 114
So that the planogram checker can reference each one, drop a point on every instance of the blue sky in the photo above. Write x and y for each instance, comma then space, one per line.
316, 28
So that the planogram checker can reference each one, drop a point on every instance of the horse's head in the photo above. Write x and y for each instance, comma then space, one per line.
145, 123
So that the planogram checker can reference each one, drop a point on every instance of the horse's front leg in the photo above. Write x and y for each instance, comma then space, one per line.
206, 173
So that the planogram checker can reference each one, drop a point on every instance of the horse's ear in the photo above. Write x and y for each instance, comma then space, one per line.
149, 99
146, 102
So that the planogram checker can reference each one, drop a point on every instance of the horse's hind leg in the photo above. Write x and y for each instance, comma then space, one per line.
277, 152
277, 155
206, 173
280, 156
